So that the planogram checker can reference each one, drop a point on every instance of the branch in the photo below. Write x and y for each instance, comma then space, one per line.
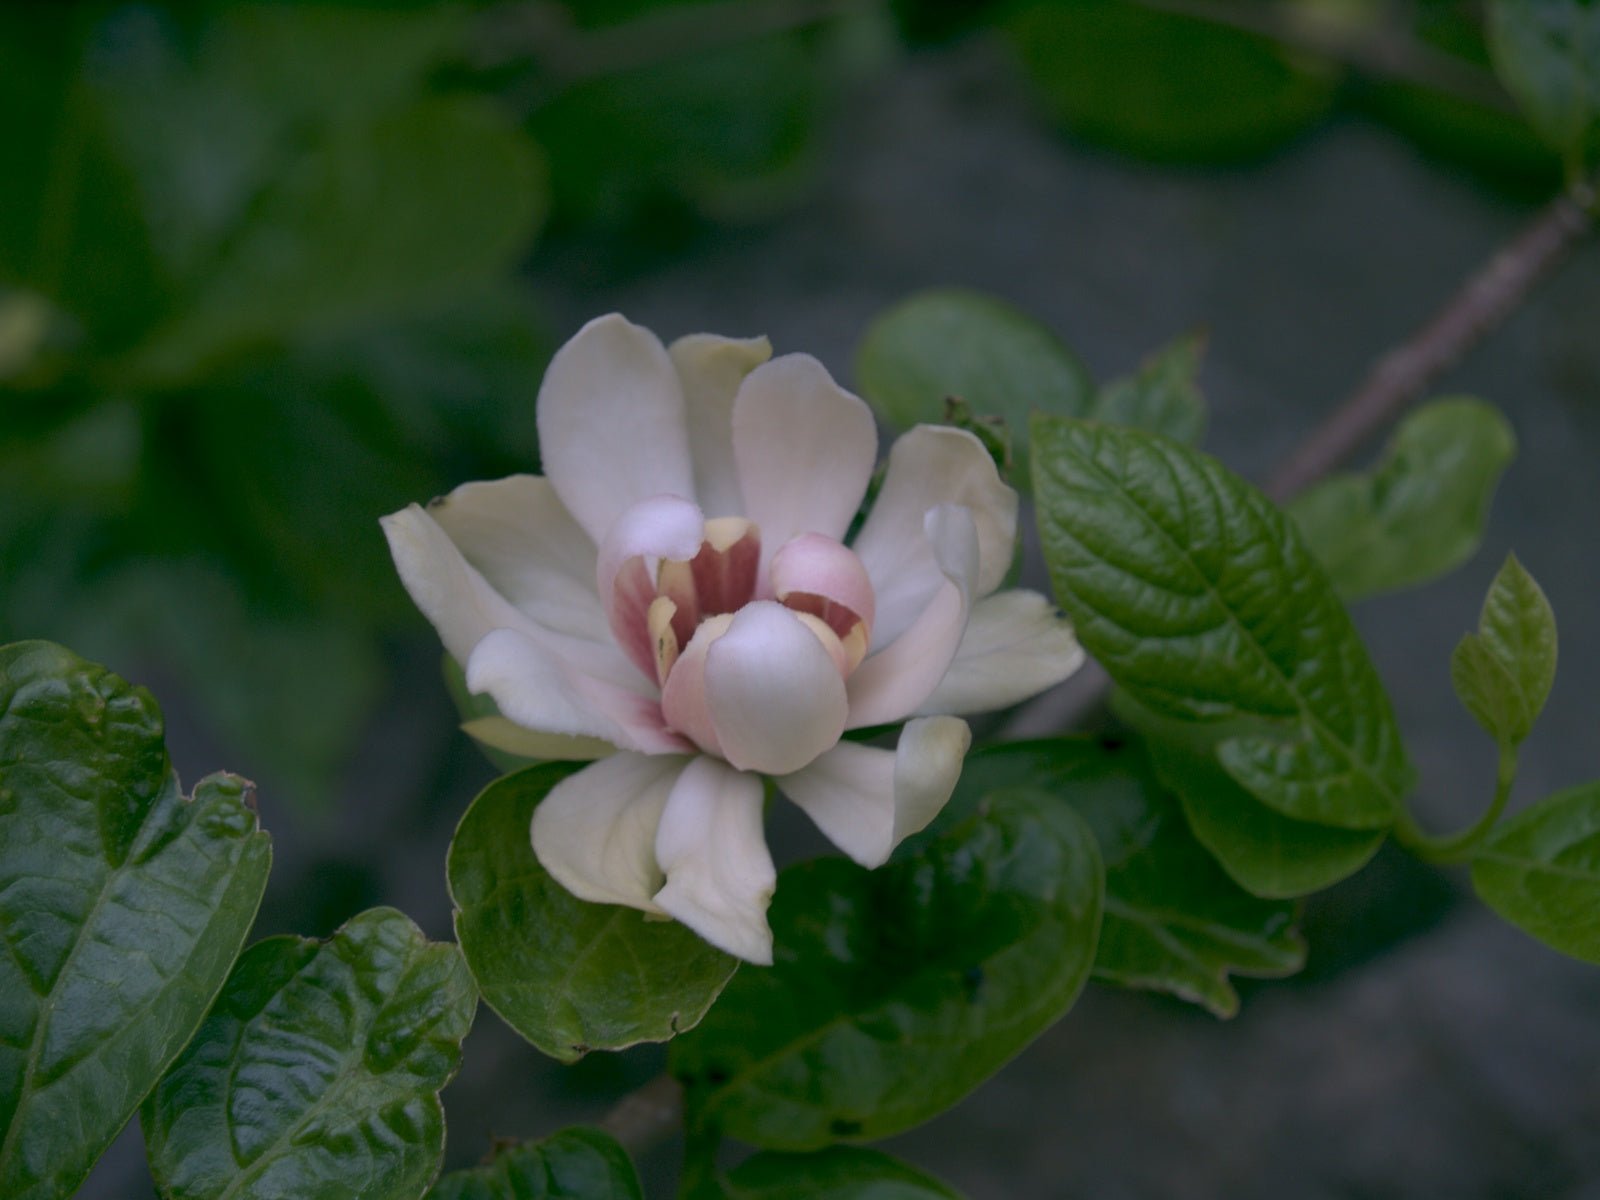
646, 1115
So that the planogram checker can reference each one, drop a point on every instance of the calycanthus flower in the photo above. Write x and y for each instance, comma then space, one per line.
675, 598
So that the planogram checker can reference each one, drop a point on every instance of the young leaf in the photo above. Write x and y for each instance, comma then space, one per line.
568, 975
317, 1071
1173, 920
1504, 672
950, 342
1420, 512
1547, 53
837, 1173
897, 991
1541, 871
1162, 396
1195, 594
122, 906
575, 1164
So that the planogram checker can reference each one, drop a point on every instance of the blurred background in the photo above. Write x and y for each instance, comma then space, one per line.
270, 270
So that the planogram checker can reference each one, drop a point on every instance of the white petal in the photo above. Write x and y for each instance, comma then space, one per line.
720, 875
449, 590
655, 528
711, 368
932, 464
805, 448
1016, 645
535, 683
611, 423
596, 830
867, 801
499, 733
775, 692
522, 539
894, 682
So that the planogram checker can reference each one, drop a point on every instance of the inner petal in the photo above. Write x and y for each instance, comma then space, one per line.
822, 578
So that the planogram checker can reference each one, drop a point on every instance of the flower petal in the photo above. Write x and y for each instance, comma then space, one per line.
660, 527
720, 875
596, 830
711, 368
775, 692
814, 565
521, 538
867, 801
535, 682
611, 423
895, 681
805, 449
508, 737
932, 464
451, 593
1016, 645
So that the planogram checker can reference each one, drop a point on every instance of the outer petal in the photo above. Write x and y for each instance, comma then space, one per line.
805, 449
720, 875
932, 464
894, 682
775, 693
611, 423
711, 368
1016, 646
867, 801
499, 733
596, 830
519, 535
536, 686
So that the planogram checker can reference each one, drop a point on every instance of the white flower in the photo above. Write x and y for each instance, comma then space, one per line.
675, 595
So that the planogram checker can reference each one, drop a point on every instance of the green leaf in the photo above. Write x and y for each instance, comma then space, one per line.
568, 975
1504, 672
575, 1164
1193, 591
1547, 53
950, 342
317, 1071
1162, 396
1173, 921
1420, 512
895, 992
1166, 86
122, 906
837, 1173
1541, 871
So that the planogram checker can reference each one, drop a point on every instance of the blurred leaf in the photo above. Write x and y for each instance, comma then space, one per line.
318, 1070
896, 992
122, 902
575, 1164
568, 975
1541, 871
1164, 86
1504, 672
1174, 921
952, 342
837, 1173
1163, 396
1420, 512
1197, 596
1548, 55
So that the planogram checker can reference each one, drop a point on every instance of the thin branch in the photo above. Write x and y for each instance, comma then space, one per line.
646, 1115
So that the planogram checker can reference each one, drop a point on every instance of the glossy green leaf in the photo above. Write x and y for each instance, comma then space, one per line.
575, 1164
1504, 672
122, 906
1547, 53
895, 992
1541, 871
837, 1173
1162, 396
568, 975
1166, 86
317, 1071
1197, 596
951, 342
1174, 921
1420, 512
